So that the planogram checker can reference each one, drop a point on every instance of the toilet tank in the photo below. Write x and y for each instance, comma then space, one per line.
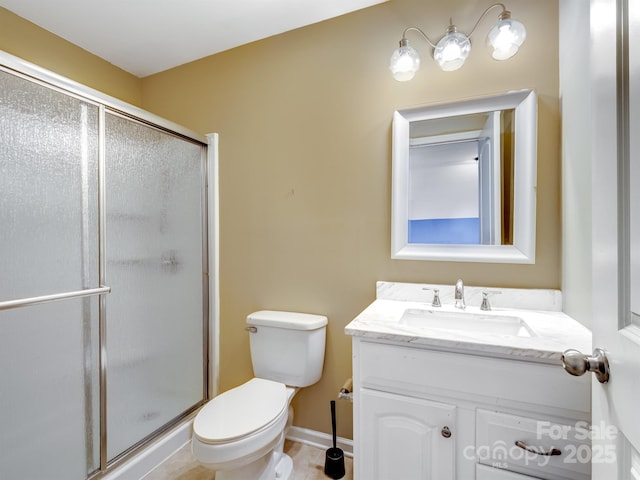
287, 347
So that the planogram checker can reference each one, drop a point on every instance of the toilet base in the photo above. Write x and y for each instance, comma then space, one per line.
275, 466
284, 468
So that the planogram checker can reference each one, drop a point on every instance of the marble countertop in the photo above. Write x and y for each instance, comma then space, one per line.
554, 331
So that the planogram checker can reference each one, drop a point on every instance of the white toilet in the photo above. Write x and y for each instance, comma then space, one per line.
240, 433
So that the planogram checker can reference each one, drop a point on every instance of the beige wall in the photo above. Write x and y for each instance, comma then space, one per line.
30, 42
305, 158
304, 120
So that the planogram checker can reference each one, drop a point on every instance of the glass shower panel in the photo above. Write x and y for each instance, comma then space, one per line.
49, 391
49, 401
154, 265
48, 190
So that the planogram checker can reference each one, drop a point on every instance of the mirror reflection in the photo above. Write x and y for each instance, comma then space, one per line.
464, 175
457, 191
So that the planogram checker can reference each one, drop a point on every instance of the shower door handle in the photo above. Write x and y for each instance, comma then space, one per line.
25, 302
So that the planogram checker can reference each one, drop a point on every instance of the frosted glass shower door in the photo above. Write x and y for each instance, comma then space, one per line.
154, 265
49, 400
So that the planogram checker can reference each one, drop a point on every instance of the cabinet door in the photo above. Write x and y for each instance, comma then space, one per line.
402, 438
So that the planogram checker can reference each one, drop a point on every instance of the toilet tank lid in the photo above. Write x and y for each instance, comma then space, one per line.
290, 320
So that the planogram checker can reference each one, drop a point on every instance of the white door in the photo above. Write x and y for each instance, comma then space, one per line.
616, 237
489, 160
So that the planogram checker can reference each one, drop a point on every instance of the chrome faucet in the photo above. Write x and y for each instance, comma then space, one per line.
459, 295
485, 305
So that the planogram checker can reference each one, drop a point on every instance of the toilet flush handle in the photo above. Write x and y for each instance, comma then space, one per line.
252, 329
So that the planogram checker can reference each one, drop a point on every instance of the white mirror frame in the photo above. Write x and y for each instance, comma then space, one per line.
524, 217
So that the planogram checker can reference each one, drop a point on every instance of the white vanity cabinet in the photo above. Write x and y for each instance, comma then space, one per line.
427, 414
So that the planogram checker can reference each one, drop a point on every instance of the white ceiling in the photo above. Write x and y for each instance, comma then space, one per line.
148, 36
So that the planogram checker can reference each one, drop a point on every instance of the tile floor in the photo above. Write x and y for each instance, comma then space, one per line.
308, 464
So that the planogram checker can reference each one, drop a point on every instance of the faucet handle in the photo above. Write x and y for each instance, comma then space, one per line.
436, 296
486, 306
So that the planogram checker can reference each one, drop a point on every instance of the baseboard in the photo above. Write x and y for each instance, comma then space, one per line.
141, 464
319, 439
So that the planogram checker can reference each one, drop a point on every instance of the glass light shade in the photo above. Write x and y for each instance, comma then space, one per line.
505, 37
404, 63
452, 50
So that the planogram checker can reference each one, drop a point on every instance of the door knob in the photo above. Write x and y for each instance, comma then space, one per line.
577, 363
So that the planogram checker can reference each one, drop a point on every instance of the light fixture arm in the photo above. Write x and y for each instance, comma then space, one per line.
504, 14
415, 29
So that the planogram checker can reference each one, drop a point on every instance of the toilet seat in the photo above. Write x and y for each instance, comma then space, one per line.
241, 412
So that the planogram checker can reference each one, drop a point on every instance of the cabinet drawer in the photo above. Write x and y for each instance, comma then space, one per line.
499, 434
488, 473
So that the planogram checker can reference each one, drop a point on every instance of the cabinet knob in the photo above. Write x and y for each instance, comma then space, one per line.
577, 363
446, 433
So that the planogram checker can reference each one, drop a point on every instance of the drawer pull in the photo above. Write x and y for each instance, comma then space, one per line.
524, 446
446, 433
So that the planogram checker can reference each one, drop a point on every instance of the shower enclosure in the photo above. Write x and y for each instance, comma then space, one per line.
104, 303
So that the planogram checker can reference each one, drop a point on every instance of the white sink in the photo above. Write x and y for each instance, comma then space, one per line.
462, 321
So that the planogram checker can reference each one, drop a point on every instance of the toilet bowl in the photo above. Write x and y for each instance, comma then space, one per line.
240, 433
241, 427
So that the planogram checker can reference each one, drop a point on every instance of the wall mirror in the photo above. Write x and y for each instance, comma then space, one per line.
464, 180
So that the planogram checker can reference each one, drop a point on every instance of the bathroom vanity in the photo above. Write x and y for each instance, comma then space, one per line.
445, 393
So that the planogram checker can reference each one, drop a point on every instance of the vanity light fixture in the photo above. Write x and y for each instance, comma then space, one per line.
452, 50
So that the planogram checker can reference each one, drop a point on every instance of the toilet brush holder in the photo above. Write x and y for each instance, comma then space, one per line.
334, 459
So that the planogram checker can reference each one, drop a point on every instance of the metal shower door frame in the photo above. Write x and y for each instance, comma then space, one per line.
210, 253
